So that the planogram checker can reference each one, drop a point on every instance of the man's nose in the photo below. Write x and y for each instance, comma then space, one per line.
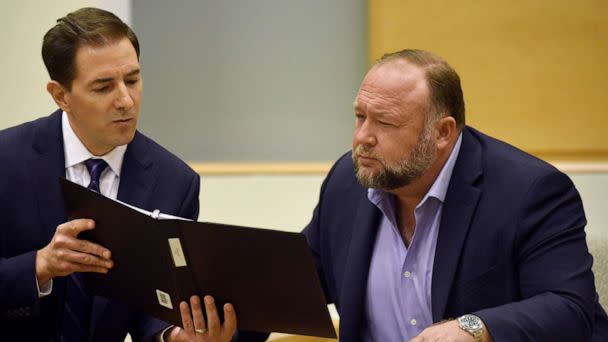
364, 135
123, 101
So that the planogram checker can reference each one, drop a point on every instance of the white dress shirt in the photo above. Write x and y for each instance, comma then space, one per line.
76, 154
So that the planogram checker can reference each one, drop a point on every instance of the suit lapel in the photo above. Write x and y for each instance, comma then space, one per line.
136, 179
354, 285
460, 203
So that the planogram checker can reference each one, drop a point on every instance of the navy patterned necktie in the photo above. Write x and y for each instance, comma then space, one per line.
78, 301
95, 168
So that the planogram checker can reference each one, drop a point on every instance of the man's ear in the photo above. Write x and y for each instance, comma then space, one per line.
60, 94
446, 131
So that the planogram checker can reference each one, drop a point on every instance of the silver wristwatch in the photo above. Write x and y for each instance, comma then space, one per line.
471, 324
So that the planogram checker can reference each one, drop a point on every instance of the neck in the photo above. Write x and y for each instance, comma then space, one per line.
96, 151
408, 197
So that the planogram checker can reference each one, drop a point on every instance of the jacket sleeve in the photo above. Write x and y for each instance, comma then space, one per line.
18, 290
553, 268
313, 233
190, 205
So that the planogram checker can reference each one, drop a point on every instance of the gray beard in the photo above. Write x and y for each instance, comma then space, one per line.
405, 172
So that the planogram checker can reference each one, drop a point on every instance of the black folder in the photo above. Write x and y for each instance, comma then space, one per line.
269, 276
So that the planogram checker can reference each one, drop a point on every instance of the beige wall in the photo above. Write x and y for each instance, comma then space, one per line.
277, 202
23, 91
533, 72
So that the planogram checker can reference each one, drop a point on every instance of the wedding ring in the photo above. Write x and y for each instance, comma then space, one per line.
200, 331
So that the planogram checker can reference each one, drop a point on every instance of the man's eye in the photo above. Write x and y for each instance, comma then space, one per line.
102, 89
131, 82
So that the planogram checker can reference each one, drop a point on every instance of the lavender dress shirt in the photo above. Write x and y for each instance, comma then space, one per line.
398, 301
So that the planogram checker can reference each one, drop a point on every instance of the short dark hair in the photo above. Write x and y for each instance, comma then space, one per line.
443, 81
85, 27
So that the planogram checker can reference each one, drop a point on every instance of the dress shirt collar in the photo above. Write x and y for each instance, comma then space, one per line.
439, 188
75, 152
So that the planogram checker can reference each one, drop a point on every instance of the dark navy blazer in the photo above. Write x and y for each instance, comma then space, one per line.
31, 207
511, 247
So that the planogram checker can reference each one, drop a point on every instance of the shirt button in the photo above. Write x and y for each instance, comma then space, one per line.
413, 321
407, 274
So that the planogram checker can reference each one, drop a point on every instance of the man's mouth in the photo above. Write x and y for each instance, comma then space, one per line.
366, 157
123, 120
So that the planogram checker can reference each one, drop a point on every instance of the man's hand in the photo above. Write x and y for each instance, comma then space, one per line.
66, 254
195, 328
445, 332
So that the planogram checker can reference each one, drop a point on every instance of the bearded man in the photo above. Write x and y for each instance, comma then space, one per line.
430, 230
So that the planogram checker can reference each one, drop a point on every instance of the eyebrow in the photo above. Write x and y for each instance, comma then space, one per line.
102, 80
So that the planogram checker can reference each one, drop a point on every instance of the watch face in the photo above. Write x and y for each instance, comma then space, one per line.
470, 322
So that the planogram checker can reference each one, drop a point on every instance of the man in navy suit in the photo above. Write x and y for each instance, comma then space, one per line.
432, 231
93, 60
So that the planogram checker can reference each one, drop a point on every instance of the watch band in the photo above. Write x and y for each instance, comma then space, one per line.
477, 334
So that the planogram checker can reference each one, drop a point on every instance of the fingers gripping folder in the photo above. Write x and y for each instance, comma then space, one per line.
159, 260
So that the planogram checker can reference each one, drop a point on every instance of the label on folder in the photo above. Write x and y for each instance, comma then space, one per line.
164, 299
177, 253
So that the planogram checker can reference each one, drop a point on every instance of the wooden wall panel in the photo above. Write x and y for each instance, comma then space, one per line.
534, 73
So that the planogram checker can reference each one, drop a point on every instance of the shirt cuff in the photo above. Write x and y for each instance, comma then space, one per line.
161, 336
44, 290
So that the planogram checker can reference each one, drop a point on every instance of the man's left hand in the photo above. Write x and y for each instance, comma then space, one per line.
445, 332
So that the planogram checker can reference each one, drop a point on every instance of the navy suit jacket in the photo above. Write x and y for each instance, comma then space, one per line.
31, 207
511, 247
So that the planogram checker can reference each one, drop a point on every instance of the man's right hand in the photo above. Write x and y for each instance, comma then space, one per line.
66, 254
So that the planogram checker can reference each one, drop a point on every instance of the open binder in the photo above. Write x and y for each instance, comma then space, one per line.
269, 276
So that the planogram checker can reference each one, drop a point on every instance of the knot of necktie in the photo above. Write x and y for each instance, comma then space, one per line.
95, 168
